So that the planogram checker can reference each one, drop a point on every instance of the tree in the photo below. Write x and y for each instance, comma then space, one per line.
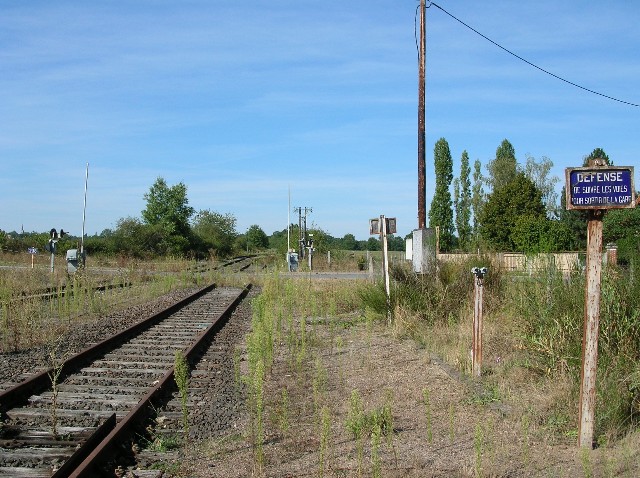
504, 207
373, 244
441, 213
349, 242
595, 154
574, 221
462, 202
136, 239
216, 232
477, 199
321, 240
534, 234
622, 226
396, 243
168, 207
504, 167
539, 172
256, 238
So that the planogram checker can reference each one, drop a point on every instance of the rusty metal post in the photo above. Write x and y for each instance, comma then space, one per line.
590, 337
476, 352
422, 174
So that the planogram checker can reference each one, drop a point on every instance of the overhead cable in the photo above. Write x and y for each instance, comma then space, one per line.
532, 64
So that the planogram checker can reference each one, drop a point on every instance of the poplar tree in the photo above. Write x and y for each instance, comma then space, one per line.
477, 199
441, 212
504, 167
462, 191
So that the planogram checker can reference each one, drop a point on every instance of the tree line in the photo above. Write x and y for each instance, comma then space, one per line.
515, 207
169, 226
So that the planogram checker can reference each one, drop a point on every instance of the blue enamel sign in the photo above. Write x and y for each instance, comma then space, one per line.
600, 188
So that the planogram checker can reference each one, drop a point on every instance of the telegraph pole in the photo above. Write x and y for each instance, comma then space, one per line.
422, 175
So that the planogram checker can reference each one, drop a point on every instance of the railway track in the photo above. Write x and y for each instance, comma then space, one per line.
55, 293
80, 423
236, 264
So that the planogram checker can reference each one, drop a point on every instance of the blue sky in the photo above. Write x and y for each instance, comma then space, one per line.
242, 101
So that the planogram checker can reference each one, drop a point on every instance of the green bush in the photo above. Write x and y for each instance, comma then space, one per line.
439, 297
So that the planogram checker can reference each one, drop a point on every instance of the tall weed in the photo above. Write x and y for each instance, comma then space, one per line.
551, 309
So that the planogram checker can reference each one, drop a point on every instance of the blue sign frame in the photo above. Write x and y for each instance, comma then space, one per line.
607, 187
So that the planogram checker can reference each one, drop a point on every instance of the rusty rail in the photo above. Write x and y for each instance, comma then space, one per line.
90, 467
41, 381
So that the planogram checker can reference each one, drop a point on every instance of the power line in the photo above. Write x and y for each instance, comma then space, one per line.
532, 64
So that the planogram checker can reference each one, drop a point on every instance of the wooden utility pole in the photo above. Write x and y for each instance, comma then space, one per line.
422, 175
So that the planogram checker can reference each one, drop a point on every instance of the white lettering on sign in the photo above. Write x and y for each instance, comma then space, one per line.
609, 176
586, 201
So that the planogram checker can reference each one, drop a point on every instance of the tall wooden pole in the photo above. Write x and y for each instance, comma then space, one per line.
422, 175
385, 264
591, 324
476, 356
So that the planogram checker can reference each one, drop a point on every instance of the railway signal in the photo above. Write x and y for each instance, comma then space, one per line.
51, 246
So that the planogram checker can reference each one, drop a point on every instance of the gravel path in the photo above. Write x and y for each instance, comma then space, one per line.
453, 436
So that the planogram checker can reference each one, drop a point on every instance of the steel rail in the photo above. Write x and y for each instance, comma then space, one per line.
52, 293
95, 451
41, 381
90, 467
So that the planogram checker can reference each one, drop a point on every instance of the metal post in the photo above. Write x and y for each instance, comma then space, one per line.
84, 214
289, 226
300, 237
591, 324
422, 175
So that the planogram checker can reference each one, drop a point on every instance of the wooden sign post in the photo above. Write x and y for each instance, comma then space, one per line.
33, 251
476, 351
384, 226
596, 188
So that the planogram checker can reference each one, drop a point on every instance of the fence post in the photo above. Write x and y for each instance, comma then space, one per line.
476, 352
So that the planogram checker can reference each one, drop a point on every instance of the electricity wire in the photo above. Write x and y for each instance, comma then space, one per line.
530, 63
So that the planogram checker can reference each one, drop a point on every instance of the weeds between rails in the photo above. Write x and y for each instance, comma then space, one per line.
81, 298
